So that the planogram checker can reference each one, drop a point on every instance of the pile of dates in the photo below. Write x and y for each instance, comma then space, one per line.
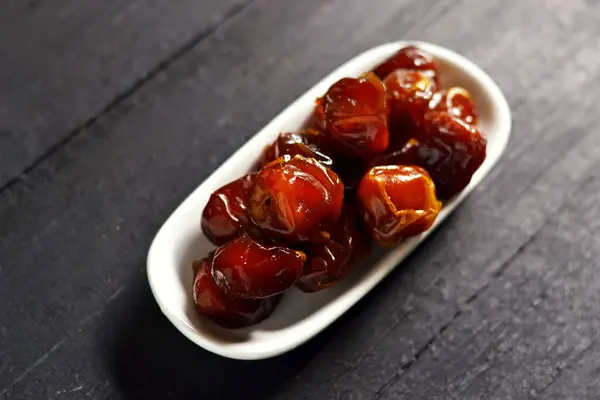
375, 163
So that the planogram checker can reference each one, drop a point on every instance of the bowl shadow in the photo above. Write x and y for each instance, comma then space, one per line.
148, 357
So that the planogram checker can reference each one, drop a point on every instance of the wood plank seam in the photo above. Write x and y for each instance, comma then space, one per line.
5, 391
502, 340
560, 369
78, 325
496, 275
129, 92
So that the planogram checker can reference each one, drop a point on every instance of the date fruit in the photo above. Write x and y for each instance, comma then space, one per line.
409, 57
330, 262
354, 114
225, 310
247, 269
225, 216
409, 93
295, 199
457, 102
308, 143
451, 152
397, 202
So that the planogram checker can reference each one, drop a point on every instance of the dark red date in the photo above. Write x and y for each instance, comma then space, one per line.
225, 216
354, 114
225, 310
331, 262
457, 102
296, 199
409, 93
409, 57
451, 152
245, 268
308, 143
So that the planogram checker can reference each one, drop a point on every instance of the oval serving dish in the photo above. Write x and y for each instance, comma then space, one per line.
300, 316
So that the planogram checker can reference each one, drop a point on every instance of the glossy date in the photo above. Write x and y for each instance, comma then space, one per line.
397, 202
225, 216
330, 262
409, 57
354, 114
245, 268
296, 199
223, 309
451, 151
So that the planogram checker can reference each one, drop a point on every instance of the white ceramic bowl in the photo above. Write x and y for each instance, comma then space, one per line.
301, 316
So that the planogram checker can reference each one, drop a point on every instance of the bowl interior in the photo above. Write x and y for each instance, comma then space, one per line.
299, 316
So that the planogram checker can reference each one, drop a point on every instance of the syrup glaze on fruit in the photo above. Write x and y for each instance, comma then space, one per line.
377, 154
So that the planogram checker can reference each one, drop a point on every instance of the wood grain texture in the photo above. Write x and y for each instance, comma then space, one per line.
66, 62
501, 302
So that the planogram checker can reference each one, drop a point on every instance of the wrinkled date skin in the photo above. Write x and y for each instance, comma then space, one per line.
308, 143
451, 152
397, 202
296, 199
244, 268
331, 262
225, 216
409, 93
225, 310
354, 114
457, 102
409, 57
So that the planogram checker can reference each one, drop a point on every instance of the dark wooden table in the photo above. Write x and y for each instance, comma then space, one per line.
111, 112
